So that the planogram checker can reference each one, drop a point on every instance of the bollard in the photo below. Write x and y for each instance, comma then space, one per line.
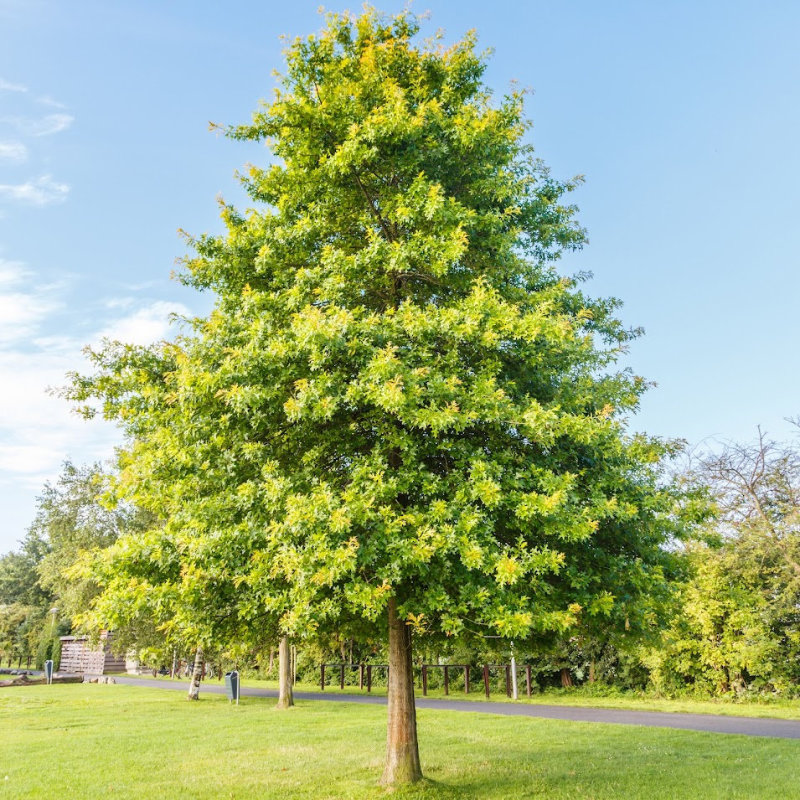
48, 670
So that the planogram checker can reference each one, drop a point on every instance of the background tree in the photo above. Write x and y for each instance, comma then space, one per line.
71, 520
739, 621
25, 625
398, 415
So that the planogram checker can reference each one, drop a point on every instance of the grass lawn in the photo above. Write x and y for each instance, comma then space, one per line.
778, 708
87, 741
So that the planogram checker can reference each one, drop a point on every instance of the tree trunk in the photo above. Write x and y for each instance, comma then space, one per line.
402, 750
197, 671
566, 678
285, 694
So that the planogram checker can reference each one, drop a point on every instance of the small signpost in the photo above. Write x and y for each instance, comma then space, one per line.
232, 685
48, 671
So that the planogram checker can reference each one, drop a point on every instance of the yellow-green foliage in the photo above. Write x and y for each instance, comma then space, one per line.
396, 394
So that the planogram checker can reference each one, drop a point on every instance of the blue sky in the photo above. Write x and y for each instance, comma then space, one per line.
683, 116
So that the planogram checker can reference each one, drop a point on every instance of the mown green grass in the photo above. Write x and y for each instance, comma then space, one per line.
82, 741
777, 708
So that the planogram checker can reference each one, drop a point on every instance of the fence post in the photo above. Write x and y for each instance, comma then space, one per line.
341, 676
466, 679
322, 677
424, 679
508, 681
360, 676
486, 679
369, 677
528, 678
446, 680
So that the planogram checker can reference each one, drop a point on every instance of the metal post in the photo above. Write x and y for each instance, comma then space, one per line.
528, 678
466, 679
486, 679
424, 679
508, 680
514, 686
360, 676
341, 676
369, 677
322, 677
446, 680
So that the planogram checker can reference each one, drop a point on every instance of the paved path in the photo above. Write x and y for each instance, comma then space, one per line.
749, 726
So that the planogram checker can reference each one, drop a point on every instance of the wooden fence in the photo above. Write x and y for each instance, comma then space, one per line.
19, 659
486, 670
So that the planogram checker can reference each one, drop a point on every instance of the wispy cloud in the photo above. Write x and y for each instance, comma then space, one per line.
22, 310
6, 86
12, 273
13, 151
40, 126
46, 100
42, 191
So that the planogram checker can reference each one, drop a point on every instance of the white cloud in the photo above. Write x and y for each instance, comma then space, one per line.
145, 326
21, 314
13, 151
42, 126
42, 191
52, 123
12, 273
22, 311
6, 86
119, 302
46, 100
37, 430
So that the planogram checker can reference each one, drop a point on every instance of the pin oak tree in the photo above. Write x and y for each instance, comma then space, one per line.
398, 416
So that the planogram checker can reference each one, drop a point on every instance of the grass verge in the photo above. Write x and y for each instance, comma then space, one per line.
93, 740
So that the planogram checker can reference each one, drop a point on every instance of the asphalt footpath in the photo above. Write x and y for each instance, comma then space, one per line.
711, 723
